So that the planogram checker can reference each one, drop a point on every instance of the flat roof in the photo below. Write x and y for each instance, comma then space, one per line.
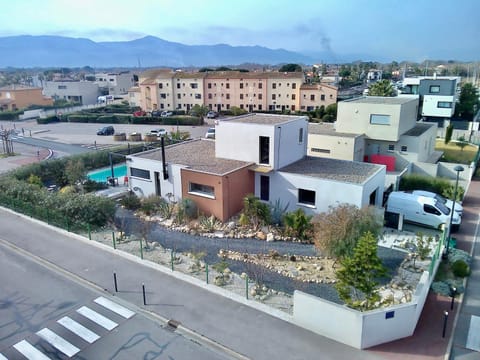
328, 129
332, 169
198, 155
419, 129
265, 119
394, 100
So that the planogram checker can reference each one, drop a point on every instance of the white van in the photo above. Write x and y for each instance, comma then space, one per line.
421, 210
448, 203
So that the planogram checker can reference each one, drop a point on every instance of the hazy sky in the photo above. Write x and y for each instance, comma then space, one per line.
389, 29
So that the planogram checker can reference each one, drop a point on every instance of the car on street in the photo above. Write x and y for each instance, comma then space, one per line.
106, 130
156, 113
139, 113
158, 132
210, 133
212, 114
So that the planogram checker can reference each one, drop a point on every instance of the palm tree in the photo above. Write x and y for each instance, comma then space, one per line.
382, 88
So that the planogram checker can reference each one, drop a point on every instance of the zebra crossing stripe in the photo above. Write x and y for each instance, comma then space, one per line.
113, 306
58, 342
30, 352
97, 318
78, 329
3, 357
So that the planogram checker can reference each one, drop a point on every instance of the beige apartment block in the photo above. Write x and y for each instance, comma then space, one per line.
283, 92
188, 90
156, 90
245, 90
314, 96
14, 97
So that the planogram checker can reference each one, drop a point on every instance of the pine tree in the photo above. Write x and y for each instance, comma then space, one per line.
358, 275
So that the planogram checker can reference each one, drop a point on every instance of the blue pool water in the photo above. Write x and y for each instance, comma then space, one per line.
101, 175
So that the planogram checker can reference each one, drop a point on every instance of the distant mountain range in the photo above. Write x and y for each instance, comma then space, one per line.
57, 51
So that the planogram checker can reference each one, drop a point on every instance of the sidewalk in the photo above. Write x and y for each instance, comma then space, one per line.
27, 154
427, 341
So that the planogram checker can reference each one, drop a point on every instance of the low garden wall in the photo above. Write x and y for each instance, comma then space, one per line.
362, 329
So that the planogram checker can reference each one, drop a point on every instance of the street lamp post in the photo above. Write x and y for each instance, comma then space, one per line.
458, 169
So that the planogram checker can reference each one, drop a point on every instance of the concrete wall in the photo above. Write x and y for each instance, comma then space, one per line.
288, 148
430, 106
240, 141
354, 117
361, 329
284, 186
336, 146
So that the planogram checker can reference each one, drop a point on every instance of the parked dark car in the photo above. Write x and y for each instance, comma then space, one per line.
212, 114
156, 113
107, 130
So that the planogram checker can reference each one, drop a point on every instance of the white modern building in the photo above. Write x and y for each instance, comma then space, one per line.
83, 92
114, 83
255, 153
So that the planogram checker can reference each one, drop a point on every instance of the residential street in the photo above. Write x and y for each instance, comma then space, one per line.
37, 299
241, 328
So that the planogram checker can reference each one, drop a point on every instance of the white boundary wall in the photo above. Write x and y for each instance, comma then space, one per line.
361, 329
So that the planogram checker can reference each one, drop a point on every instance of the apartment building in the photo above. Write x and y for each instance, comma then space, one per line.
78, 91
245, 90
283, 91
317, 95
156, 90
222, 90
114, 83
188, 90
14, 97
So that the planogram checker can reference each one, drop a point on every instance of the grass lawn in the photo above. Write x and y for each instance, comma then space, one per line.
453, 153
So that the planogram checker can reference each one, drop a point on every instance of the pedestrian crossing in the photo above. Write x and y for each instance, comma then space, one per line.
70, 334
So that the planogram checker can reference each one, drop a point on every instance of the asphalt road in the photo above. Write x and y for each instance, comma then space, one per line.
236, 326
36, 299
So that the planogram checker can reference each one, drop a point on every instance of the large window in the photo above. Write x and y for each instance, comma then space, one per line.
264, 147
444, 104
379, 119
306, 197
323, 151
140, 173
201, 190
264, 188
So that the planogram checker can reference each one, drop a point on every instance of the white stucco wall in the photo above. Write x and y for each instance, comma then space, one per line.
284, 186
361, 329
287, 147
354, 117
430, 106
316, 314
340, 147
240, 141
172, 185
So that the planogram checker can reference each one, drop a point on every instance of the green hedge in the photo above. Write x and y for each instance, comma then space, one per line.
47, 120
10, 115
437, 185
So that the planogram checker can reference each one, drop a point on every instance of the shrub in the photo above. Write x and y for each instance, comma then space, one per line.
460, 268
189, 208
131, 201
209, 224
458, 254
298, 224
151, 204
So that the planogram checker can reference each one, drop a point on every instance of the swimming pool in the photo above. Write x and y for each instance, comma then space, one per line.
101, 175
